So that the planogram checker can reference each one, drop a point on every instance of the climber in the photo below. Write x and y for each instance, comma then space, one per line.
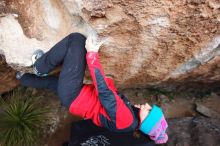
100, 101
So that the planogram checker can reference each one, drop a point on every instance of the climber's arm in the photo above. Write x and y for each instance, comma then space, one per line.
121, 116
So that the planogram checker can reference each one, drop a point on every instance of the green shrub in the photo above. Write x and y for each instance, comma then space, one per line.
22, 118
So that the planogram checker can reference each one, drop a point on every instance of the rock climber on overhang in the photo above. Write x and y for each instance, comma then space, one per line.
100, 101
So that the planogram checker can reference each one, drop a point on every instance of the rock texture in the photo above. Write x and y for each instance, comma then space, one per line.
166, 44
7, 77
198, 131
206, 111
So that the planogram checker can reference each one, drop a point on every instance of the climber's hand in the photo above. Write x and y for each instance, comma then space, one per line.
91, 43
144, 110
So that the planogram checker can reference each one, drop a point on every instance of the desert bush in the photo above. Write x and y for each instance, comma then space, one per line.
22, 119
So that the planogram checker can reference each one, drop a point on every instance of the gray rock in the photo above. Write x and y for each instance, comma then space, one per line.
207, 111
198, 131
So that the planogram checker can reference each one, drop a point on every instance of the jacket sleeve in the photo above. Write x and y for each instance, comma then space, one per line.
121, 116
94, 64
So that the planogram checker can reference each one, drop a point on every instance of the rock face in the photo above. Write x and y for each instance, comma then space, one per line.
166, 44
197, 131
7, 77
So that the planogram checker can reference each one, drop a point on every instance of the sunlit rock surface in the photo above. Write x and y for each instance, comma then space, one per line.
166, 44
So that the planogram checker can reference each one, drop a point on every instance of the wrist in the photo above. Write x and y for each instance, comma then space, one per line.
92, 51
92, 54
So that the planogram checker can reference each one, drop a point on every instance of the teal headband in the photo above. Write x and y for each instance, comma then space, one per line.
151, 120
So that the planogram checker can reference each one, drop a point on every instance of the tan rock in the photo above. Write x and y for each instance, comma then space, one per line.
7, 77
167, 44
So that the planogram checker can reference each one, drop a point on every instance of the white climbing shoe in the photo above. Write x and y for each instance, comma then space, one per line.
36, 55
19, 74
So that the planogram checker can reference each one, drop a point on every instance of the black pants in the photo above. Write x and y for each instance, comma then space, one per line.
71, 53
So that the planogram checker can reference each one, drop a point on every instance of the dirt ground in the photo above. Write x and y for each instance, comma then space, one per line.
175, 105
